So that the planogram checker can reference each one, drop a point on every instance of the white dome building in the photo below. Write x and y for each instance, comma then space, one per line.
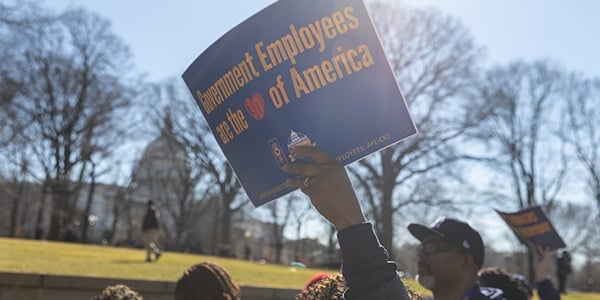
164, 160
162, 175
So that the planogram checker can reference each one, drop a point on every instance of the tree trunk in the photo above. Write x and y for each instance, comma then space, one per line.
387, 211
15, 210
60, 210
299, 241
88, 207
278, 242
40, 214
55, 218
116, 209
225, 240
530, 203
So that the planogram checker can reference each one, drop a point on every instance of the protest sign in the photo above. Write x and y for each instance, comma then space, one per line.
306, 72
531, 225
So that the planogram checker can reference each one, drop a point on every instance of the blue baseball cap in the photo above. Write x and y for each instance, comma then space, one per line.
455, 232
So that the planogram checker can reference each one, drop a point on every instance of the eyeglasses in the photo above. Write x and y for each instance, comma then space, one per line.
432, 248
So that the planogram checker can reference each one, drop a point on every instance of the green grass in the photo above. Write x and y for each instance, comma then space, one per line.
55, 258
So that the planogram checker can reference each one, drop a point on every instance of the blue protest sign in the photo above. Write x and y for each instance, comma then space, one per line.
531, 225
298, 72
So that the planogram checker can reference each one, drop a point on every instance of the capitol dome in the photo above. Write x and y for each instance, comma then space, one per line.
164, 161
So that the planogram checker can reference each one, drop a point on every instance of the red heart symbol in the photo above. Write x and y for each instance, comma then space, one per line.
255, 106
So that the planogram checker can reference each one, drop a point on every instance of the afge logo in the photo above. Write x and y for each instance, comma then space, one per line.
277, 152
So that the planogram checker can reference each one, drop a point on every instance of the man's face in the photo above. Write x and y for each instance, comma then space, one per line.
439, 263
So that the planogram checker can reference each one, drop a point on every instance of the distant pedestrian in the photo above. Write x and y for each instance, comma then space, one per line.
563, 269
40, 234
151, 232
247, 253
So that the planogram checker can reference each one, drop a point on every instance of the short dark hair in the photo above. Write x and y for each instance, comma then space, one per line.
498, 278
206, 280
329, 287
118, 292
333, 286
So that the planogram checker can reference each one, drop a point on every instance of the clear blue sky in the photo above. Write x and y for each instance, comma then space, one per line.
166, 36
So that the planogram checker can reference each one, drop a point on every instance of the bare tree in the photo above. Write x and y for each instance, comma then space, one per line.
520, 133
17, 19
434, 59
167, 175
280, 212
302, 212
122, 225
14, 191
521, 144
583, 130
211, 174
71, 92
21, 14
577, 225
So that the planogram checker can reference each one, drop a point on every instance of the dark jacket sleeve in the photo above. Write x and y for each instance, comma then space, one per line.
546, 290
365, 266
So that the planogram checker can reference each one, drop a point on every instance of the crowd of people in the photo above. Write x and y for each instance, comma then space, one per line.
450, 257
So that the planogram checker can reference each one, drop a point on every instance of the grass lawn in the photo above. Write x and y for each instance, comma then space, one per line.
42, 257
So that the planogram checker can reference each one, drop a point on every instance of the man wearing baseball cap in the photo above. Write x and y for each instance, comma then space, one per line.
450, 255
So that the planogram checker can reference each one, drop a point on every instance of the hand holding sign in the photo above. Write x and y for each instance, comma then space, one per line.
312, 67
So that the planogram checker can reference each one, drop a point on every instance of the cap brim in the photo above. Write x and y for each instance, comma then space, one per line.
420, 232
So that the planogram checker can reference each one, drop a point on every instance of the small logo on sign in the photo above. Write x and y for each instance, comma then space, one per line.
277, 152
298, 139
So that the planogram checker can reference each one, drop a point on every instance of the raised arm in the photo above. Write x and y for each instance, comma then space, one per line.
365, 263
543, 268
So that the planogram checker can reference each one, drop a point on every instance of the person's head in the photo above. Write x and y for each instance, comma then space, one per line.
451, 252
206, 281
118, 292
329, 287
315, 278
497, 278
333, 286
524, 283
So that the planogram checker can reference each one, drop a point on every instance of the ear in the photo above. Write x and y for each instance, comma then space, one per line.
469, 262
